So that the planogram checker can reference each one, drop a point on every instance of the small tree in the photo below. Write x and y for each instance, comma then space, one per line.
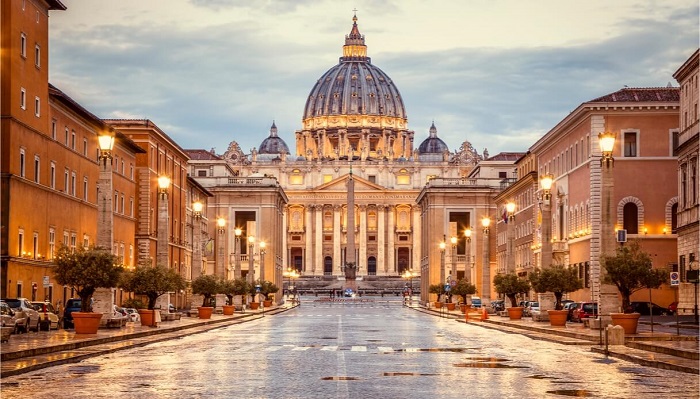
227, 288
86, 270
463, 288
436, 289
630, 269
206, 285
152, 282
241, 287
268, 288
557, 279
510, 285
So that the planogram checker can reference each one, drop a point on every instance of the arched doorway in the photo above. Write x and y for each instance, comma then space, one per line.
372, 266
403, 255
328, 266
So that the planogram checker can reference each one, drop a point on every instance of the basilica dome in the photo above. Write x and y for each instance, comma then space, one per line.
433, 144
354, 87
273, 144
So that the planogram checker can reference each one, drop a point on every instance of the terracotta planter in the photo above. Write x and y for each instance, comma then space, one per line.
558, 318
267, 303
228, 309
254, 305
515, 313
465, 308
86, 322
628, 321
438, 305
147, 317
450, 306
204, 312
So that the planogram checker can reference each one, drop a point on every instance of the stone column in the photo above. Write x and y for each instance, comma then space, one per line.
318, 254
285, 251
390, 266
308, 239
381, 259
486, 270
337, 232
510, 244
416, 252
104, 297
362, 261
468, 267
219, 266
196, 246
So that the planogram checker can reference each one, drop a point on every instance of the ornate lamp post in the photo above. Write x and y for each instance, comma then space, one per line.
510, 232
162, 257
442, 246
486, 264
546, 254
220, 238
453, 272
468, 269
408, 275
237, 251
197, 207
105, 217
251, 266
263, 251
605, 294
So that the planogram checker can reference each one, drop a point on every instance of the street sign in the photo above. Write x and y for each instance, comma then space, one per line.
453, 283
46, 282
622, 235
675, 279
447, 287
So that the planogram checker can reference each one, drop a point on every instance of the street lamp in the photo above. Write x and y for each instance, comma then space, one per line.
221, 230
510, 233
546, 241
251, 268
197, 208
263, 251
467, 267
237, 250
607, 296
162, 258
485, 264
453, 273
291, 273
105, 215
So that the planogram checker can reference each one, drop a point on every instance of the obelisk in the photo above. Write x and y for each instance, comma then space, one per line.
350, 260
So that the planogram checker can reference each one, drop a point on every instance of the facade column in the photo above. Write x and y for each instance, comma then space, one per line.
381, 259
390, 266
285, 251
337, 232
308, 239
318, 250
362, 261
416, 252
163, 222
196, 246
485, 265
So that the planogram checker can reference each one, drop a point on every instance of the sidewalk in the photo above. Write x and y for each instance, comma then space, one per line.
664, 348
34, 351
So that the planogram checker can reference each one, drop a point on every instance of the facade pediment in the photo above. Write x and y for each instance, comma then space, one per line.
341, 184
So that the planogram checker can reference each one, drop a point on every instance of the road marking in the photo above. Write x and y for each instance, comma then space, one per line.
330, 348
358, 349
385, 349
301, 348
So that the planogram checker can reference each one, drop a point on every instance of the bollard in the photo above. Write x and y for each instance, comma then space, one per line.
484, 314
466, 316
615, 335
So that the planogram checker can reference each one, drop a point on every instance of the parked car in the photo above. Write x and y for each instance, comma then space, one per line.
584, 311
476, 302
49, 318
72, 305
8, 317
498, 305
531, 308
643, 309
132, 314
565, 301
673, 307
570, 307
25, 311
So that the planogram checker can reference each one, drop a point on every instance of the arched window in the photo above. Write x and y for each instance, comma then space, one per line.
674, 218
629, 215
328, 266
372, 266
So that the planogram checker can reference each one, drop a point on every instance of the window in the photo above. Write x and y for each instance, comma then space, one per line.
67, 135
73, 240
502, 175
85, 188
116, 201
37, 106
629, 215
23, 45
85, 147
202, 173
52, 243
131, 255
37, 165
327, 178
37, 56
20, 242
72, 140
131, 207
65, 181
52, 175
72, 183
372, 179
131, 171
65, 238
296, 179
403, 179
684, 186
693, 182
22, 98
121, 205
53, 129
86, 241
630, 144
21, 162
35, 246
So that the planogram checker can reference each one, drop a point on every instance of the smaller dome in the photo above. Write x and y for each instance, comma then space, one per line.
433, 144
273, 144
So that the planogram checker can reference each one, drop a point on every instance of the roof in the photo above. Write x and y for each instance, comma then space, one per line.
646, 94
506, 156
202, 155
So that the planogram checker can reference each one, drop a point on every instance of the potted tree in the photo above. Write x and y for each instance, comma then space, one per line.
207, 286
436, 289
630, 270
85, 270
241, 287
558, 280
510, 285
228, 288
267, 288
152, 282
253, 291
463, 288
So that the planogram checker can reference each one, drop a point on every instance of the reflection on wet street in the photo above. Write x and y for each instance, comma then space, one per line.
373, 350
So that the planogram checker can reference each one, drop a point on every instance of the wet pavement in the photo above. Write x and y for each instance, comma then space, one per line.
369, 349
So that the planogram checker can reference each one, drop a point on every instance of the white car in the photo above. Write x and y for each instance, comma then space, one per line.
28, 317
133, 314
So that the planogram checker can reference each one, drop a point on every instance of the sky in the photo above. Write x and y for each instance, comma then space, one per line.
496, 73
